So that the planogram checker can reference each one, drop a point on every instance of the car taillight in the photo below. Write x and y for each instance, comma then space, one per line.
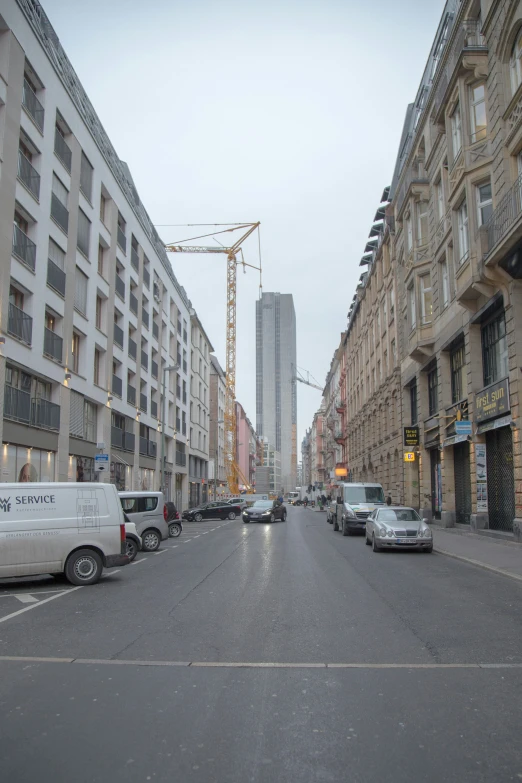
177, 515
165, 513
122, 539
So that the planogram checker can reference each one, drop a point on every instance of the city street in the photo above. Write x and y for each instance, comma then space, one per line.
260, 653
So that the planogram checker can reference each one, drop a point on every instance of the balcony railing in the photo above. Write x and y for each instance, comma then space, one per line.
19, 324
53, 345
147, 447
131, 394
56, 277
144, 360
146, 277
184, 428
178, 425
154, 369
143, 402
129, 441
17, 405
122, 240
45, 414
117, 386
152, 448
133, 349
117, 437
504, 216
28, 175
33, 105
59, 212
135, 260
133, 303
155, 330
181, 459
62, 149
119, 337
120, 287
23, 247
468, 37
154, 409
145, 317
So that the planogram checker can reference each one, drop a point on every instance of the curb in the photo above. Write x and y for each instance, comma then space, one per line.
495, 570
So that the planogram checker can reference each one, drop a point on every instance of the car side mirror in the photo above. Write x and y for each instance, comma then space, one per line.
425, 520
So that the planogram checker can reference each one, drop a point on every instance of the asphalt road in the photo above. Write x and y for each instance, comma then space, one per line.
264, 653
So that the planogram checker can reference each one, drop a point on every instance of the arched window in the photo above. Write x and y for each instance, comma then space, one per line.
516, 63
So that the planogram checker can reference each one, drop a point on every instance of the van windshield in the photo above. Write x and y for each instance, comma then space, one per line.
355, 495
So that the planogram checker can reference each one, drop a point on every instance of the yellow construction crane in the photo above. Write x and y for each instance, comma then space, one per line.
232, 468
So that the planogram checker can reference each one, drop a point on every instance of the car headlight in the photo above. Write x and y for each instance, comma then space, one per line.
245, 514
390, 534
382, 532
426, 532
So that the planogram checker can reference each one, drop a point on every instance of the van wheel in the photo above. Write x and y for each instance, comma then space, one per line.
83, 567
131, 548
150, 541
174, 529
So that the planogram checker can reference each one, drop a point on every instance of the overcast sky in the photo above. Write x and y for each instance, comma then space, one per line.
284, 111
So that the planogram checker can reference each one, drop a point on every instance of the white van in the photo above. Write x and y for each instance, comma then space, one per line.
74, 529
359, 500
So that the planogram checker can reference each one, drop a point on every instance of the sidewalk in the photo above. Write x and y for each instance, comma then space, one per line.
504, 557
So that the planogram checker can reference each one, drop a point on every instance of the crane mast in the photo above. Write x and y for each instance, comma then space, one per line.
232, 468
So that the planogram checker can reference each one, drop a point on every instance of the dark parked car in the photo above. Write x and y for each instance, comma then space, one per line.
215, 510
265, 511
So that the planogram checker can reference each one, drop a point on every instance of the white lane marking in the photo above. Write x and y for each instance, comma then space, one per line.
161, 552
174, 547
197, 536
205, 533
26, 598
40, 592
260, 665
141, 560
187, 541
40, 603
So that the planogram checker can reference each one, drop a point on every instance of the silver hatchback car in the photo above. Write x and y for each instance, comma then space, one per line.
398, 527
149, 513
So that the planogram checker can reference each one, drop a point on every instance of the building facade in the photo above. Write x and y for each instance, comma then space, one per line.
200, 362
246, 448
276, 402
270, 473
218, 390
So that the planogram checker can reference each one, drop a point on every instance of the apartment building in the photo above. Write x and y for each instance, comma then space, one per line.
217, 390
200, 362
92, 318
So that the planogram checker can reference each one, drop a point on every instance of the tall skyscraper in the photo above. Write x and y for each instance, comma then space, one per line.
276, 403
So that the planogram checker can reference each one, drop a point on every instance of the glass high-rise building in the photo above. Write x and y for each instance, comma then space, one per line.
276, 404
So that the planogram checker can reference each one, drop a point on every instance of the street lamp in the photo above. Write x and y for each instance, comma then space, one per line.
172, 368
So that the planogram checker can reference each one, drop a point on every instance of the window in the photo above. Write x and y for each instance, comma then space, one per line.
495, 350
422, 222
457, 361
90, 419
393, 353
433, 405
86, 178
412, 306
101, 260
408, 234
75, 353
84, 233
414, 412
462, 222
99, 312
484, 203
97, 367
444, 283
59, 201
56, 254
426, 299
392, 302
515, 64
478, 112
439, 193
456, 131
439, 48
103, 208
60, 191
80, 291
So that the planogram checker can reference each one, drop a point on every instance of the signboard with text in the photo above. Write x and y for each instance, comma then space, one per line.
411, 436
492, 401
463, 427
409, 456
101, 463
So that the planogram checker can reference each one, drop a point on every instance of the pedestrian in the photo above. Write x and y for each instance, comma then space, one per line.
305, 501
323, 498
388, 500
280, 499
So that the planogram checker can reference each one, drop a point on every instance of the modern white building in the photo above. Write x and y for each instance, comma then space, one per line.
92, 318
200, 360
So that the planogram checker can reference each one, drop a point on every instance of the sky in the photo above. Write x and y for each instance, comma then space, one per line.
287, 112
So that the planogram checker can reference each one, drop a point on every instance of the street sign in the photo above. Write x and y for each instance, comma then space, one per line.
409, 456
101, 463
463, 427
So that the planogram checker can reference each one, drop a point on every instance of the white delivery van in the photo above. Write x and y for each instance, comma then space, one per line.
54, 528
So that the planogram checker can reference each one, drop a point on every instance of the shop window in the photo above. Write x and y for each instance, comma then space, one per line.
495, 349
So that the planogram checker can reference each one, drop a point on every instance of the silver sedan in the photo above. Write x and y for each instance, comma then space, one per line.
398, 527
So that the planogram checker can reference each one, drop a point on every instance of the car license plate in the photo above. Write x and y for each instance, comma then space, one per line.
406, 541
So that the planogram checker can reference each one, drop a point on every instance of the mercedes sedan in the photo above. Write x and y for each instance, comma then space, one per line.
265, 511
398, 527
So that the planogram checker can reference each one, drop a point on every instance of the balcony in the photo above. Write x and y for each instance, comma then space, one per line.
45, 414
119, 337
339, 436
33, 105
181, 459
154, 369
122, 240
412, 185
55, 277
145, 317
19, 324
117, 386
155, 330
468, 41
131, 394
505, 219
133, 349
28, 175
129, 441
143, 402
147, 447
53, 345
154, 409
62, 150
146, 277
144, 360
420, 343
340, 407
120, 287
24, 248
117, 437
135, 260
133, 303
59, 213
17, 405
